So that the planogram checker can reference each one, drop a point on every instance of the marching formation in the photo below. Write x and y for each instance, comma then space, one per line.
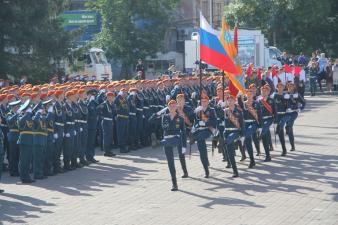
53, 128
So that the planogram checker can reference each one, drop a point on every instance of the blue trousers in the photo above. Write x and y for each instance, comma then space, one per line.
38, 161
251, 129
26, 152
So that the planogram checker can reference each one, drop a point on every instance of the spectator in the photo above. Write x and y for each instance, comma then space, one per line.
302, 59
322, 62
335, 70
140, 68
313, 72
329, 75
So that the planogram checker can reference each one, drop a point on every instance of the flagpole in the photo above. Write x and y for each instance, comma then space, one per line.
200, 66
223, 84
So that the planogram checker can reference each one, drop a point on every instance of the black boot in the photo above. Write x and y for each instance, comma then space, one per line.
175, 187
206, 169
235, 174
184, 167
282, 141
252, 164
267, 159
241, 148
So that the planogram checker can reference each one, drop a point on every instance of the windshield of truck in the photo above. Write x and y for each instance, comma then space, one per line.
98, 57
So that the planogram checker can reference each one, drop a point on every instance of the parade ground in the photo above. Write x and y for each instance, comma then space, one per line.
134, 188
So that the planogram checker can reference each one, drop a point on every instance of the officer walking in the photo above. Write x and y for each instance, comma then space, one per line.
59, 124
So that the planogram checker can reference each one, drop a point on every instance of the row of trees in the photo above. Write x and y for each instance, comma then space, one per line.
33, 41
294, 25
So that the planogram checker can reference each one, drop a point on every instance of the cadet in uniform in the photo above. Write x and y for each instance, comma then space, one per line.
59, 123
107, 116
281, 118
174, 136
92, 126
122, 120
268, 112
70, 132
252, 119
234, 128
25, 141
50, 149
292, 104
83, 118
204, 126
39, 141
13, 135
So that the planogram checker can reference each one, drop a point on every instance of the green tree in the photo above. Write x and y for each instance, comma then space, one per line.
293, 25
32, 40
132, 29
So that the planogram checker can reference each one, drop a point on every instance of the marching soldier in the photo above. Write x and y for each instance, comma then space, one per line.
294, 104
252, 119
174, 136
268, 113
234, 129
204, 126
281, 118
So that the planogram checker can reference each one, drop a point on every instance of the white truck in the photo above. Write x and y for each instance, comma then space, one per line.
93, 64
251, 49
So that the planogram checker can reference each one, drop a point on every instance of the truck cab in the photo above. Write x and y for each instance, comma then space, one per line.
96, 64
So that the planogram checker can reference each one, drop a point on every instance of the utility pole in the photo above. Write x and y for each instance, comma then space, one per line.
211, 12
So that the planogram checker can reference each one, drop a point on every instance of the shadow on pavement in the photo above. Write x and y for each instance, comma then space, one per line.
14, 212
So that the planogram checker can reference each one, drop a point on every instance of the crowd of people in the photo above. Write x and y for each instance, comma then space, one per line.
53, 128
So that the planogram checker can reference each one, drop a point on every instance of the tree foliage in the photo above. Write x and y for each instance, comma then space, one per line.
295, 25
132, 29
32, 40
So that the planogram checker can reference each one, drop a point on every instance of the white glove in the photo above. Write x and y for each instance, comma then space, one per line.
120, 93
67, 134
299, 110
39, 111
91, 98
143, 116
162, 111
193, 95
199, 108
81, 129
242, 139
295, 95
201, 123
56, 136
74, 133
167, 98
260, 97
29, 110
272, 95
184, 150
260, 130
50, 109
287, 96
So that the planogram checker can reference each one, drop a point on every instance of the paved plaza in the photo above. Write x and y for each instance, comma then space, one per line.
134, 188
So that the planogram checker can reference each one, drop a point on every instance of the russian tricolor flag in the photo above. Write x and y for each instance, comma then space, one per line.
211, 50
